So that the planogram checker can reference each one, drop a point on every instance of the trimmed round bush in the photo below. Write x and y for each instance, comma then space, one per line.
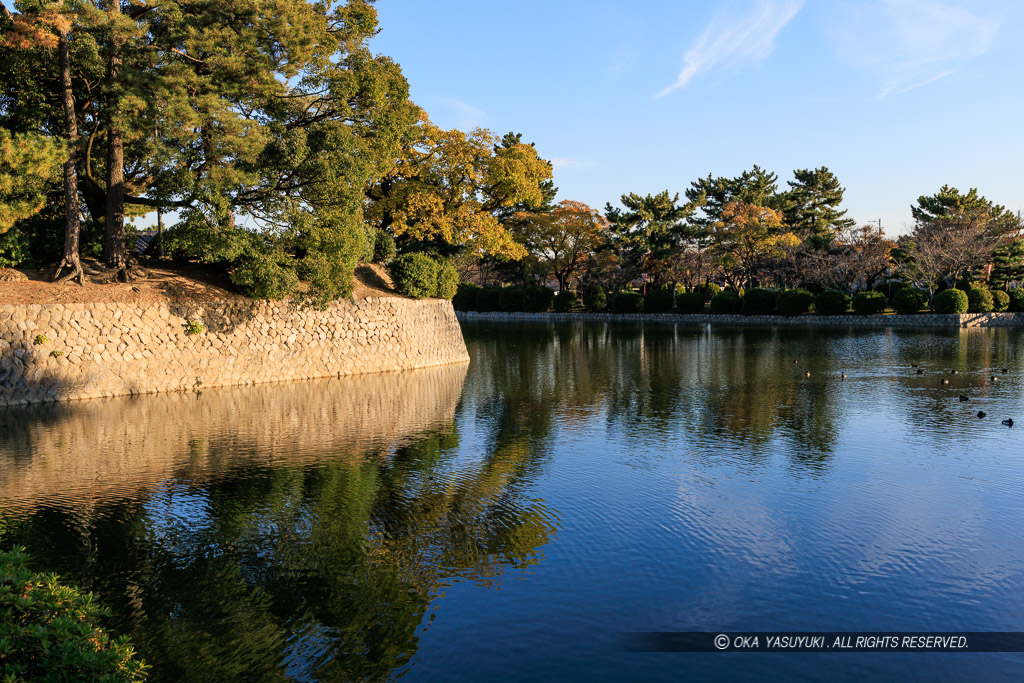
488, 299
1016, 299
510, 299
658, 301
726, 302
759, 301
869, 303
794, 302
690, 302
628, 302
465, 298
415, 275
595, 300
831, 302
1000, 300
950, 301
537, 299
447, 280
566, 300
979, 300
909, 300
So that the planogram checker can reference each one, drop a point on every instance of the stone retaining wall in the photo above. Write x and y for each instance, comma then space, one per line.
57, 352
915, 320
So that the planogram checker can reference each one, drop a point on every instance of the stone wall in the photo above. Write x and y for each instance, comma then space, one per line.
916, 320
57, 352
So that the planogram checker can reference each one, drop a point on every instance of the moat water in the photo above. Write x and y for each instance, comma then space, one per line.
512, 518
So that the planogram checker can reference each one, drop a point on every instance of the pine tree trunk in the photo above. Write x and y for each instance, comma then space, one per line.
70, 260
113, 236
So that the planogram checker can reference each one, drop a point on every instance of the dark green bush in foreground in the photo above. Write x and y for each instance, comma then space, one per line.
595, 300
869, 303
794, 302
1000, 300
628, 302
537, 299
759, 301
831, 302
465, 298
1016, 299
50, 632
415, 275
709, 291
950, 301
510, 299
690, 302
447, 280
979, 300
566, 301
488, 299
383, 247
726, 302
658, 301
909, 300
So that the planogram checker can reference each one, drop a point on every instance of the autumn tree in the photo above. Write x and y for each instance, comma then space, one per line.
562, 239
855, 258
747, 234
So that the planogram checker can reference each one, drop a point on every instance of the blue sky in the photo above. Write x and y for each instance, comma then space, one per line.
897, 97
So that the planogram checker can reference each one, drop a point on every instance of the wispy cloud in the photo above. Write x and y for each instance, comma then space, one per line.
911, 43
566, 162
732, 39
467, 116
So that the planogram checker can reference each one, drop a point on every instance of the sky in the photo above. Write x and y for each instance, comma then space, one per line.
896, 97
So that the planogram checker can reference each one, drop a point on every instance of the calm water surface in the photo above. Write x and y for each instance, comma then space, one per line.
510, 519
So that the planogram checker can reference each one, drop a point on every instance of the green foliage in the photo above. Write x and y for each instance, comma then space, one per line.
465, 298
726, 302
50, 632
29, 167
537, 299
383, 247
869, 303
1008, 263
628, 302
56, 353
950, 301
891, 288
759, 301
14, 248
909, 300
510, 299
979, 300
595, 300
193, 327
709, 290
566, 300
415, 275
831, 302
447, 280
811, 204
488, 299
40, 339
794, 302
690, 302
1017, 299
266, 276
1000, 300
658, 300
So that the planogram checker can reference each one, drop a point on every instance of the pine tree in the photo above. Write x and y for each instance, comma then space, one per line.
810, 207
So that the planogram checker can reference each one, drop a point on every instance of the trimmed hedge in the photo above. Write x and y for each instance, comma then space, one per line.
510, 299
690, 302
831, 302
537, 299
709, 291
868, 303
465, 298
759, 301
1000, 300
1017, 299
415, 275
595, 300
726, 302
909, 300
950, 301
566, 300
979, 300
488, 299
794, 302
658, 301
628, 302
447, 280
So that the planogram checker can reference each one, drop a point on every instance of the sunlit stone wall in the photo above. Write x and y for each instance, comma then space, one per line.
57, 352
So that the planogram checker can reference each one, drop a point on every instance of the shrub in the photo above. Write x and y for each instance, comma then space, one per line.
726, 302
890, 288
266, 276
566, 300
595, 300
690, 302
415, 275
909, 300
1016, 299
1000, 300
447, 280
794, 302
979, 300
658, 301
759, 301
383, 247
510, 299
831, 302
488, 299
465, 298
537, 299
708, 290
194, 327
50, 631
950, 301
869, 303
628, 302
40, 339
